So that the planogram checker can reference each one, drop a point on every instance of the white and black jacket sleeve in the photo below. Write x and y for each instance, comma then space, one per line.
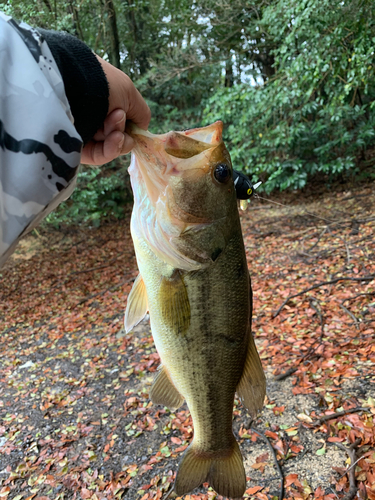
53, 98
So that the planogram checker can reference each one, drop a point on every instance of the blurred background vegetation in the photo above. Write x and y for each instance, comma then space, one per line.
292, 80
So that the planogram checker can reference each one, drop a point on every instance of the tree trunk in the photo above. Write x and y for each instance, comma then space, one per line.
228, 72
76, 24
266, 61
114, 55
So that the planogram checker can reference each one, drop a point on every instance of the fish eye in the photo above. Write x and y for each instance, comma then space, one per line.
222, 172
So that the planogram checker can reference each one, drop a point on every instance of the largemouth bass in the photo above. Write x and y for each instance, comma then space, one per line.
195, 284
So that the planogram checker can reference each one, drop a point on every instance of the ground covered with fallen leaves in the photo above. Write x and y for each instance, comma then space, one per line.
75, 418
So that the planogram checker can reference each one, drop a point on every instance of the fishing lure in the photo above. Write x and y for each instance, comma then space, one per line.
244, 188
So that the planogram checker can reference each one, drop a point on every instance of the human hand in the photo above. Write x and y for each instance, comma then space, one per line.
125, 103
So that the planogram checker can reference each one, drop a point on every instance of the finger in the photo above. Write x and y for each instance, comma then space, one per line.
115, 144
128, 145
114, 121
99, 136
89, 154
100, 152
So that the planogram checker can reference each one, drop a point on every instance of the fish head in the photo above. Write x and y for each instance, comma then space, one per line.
184, 196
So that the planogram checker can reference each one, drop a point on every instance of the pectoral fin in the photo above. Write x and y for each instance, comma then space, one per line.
252, 386
163, 392
136, 308
174, 303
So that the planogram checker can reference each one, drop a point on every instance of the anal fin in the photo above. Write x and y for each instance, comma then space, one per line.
163, 392
136, 308
252, 386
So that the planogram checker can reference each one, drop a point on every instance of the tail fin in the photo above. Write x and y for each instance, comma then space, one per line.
225, 473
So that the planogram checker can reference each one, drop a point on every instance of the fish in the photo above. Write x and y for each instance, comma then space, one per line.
194, 283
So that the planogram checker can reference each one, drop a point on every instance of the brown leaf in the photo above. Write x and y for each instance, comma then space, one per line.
85, 493
259, 466
254, 489
262, 458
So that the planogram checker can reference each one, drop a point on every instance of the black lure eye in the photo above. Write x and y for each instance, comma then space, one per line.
222, 172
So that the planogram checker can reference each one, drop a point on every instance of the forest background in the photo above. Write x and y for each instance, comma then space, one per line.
293, 81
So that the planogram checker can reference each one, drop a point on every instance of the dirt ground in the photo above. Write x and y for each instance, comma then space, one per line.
75, 418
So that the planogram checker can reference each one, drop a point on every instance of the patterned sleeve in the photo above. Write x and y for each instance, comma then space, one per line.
40, 148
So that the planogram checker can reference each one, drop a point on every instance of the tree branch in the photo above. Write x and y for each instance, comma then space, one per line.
351, 471
325, 418
272, 450
356, 322
318, 285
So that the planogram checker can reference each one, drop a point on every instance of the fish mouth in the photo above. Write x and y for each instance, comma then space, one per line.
203, 137
181, 145
160, 156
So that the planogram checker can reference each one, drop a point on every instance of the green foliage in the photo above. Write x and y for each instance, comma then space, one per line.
315, 117
99, 193
178, 102
293, 80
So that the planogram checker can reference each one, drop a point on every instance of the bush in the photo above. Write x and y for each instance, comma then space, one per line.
101, 192
316, 116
